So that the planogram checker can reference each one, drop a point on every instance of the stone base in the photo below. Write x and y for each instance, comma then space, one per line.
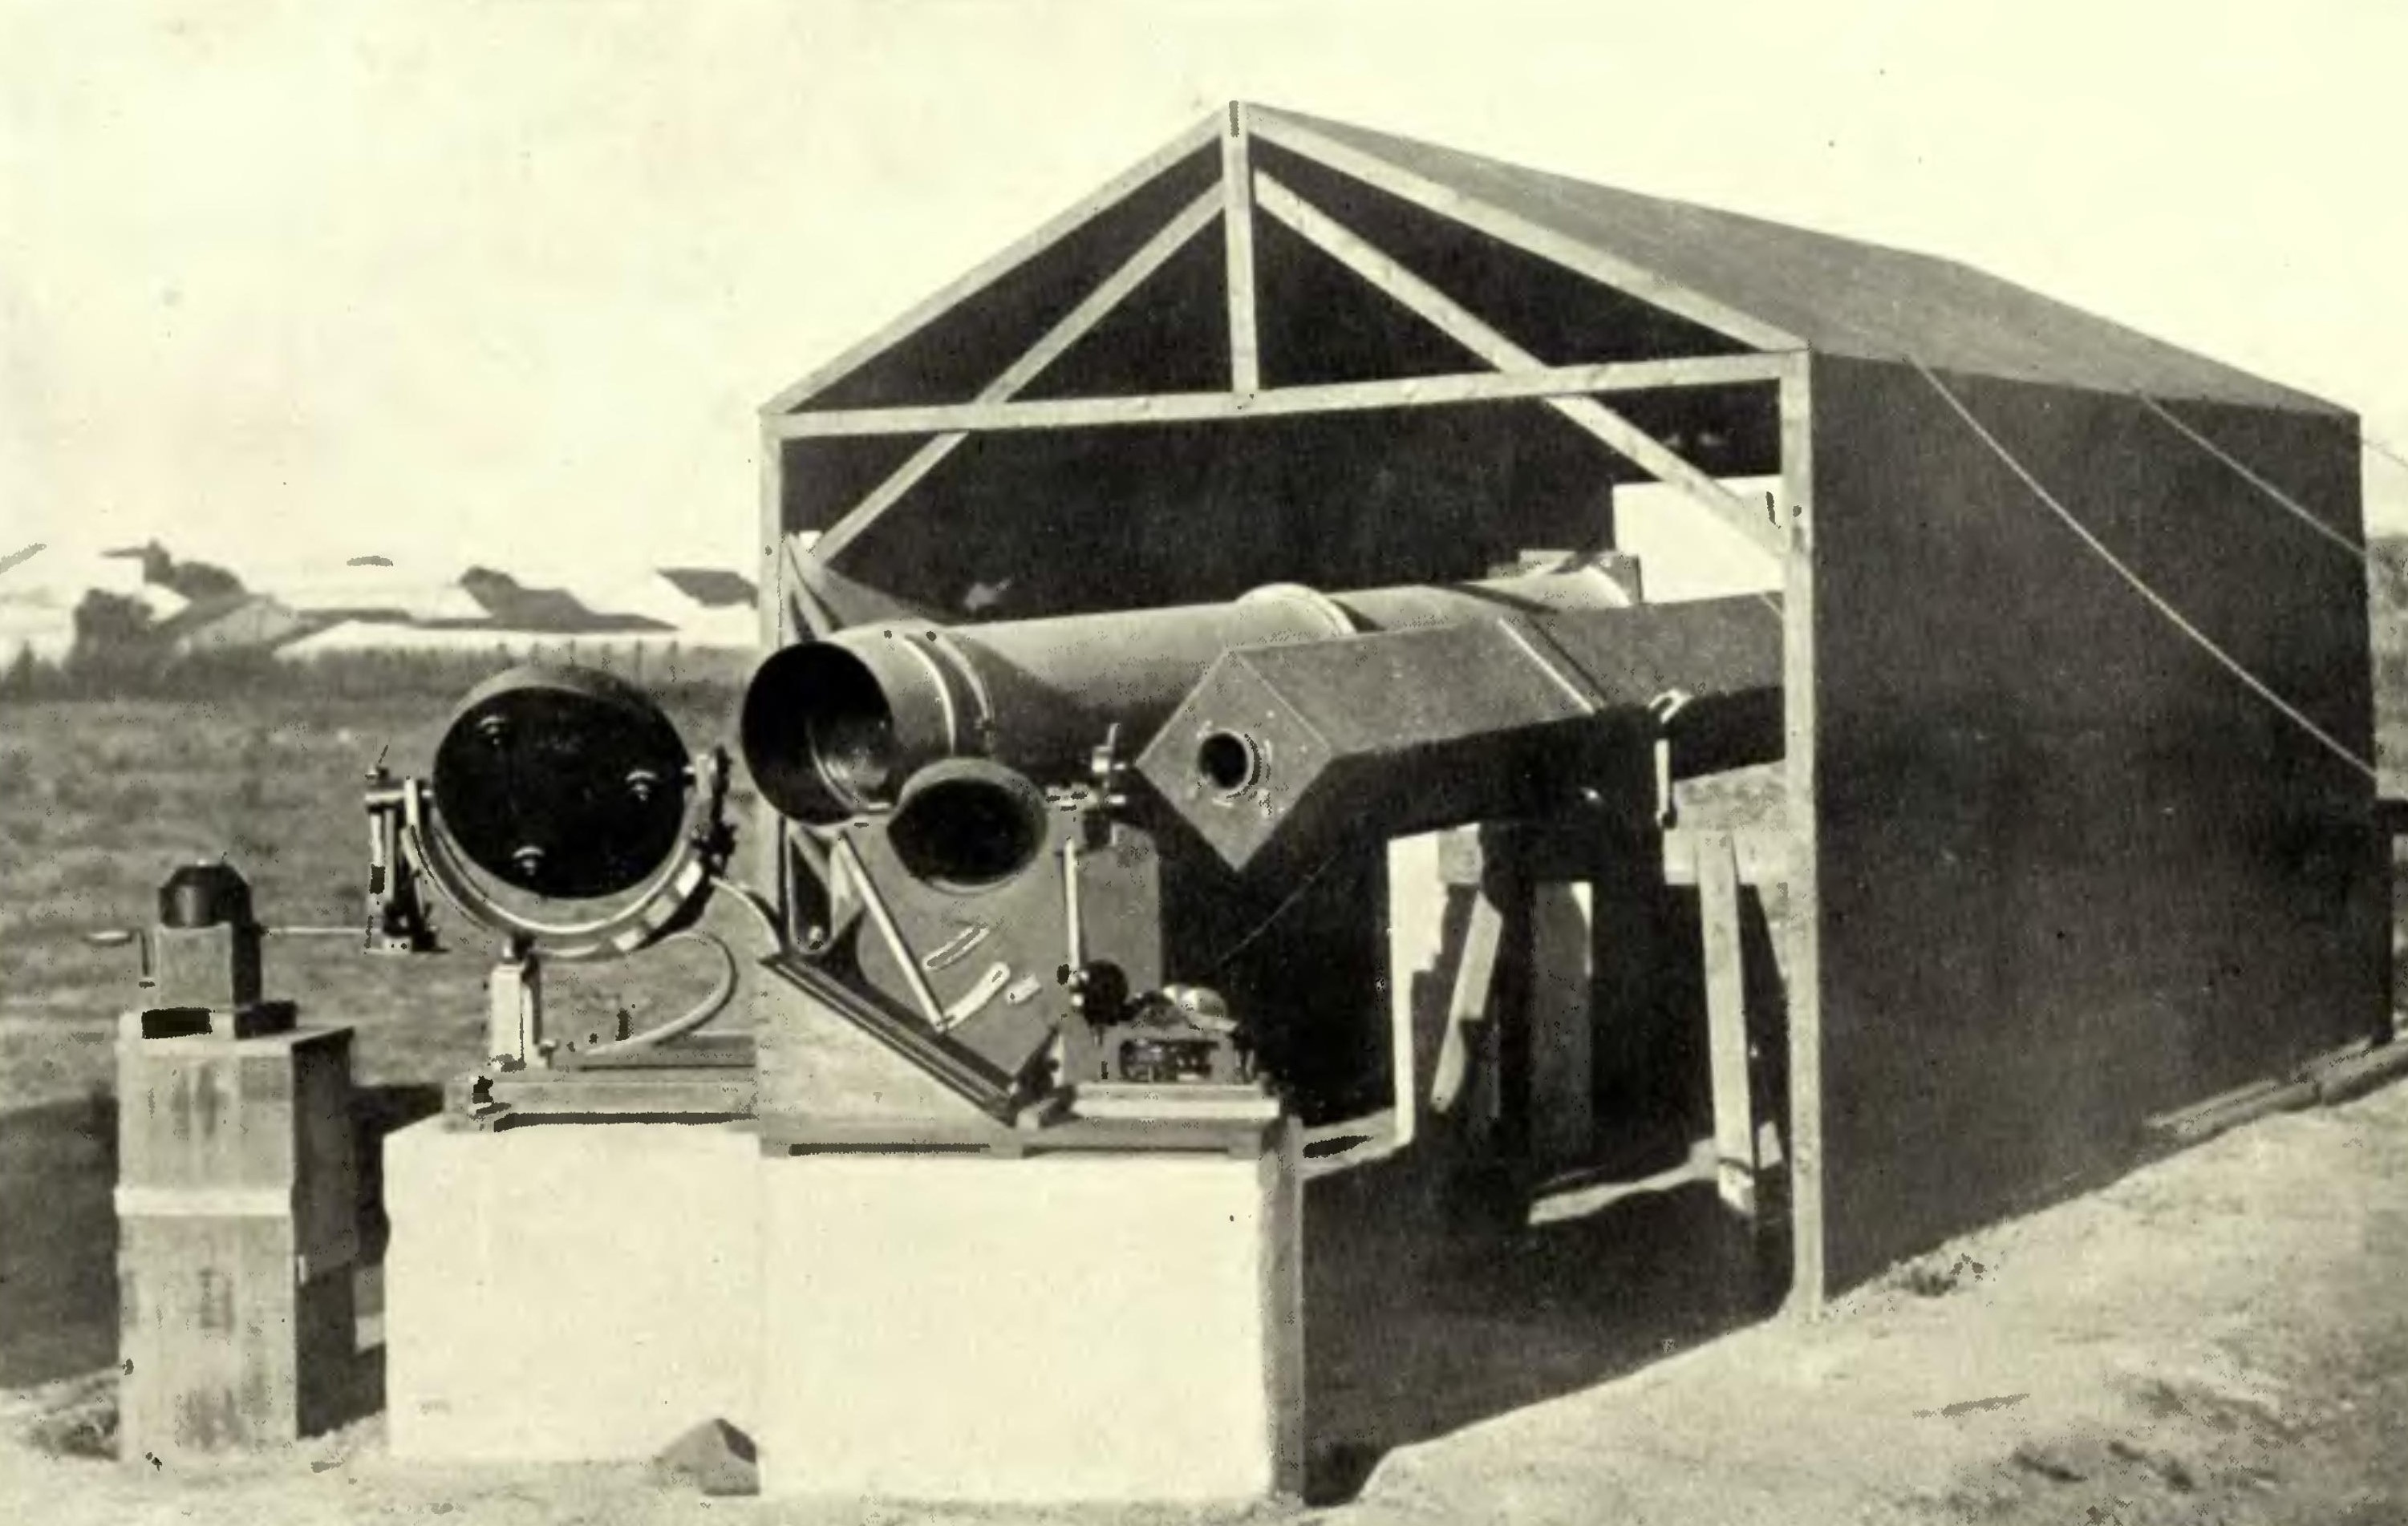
1102, 1327
565, 1291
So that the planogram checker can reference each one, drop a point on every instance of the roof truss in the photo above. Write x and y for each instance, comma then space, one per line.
1241, 190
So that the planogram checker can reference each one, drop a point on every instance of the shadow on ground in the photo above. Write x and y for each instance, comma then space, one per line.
58, 1261
1422, 1321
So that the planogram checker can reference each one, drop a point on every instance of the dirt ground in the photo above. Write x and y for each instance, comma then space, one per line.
2219, 1336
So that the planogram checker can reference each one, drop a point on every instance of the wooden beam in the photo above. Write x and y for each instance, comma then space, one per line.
1466, 329
1735, 1159
1762, 853
1509, 228
1237, 226
1074, 325
775, 631
1111, 193
1335, 397
804, 600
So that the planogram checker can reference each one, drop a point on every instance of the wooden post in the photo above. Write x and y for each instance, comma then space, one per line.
1561, 1015
1237, 226
1727, 1047
1808, 1268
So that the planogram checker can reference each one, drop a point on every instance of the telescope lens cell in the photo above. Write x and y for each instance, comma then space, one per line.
562, 781
854, 750
817, 736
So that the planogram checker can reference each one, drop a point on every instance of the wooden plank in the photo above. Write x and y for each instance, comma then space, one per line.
1074, 325
788, 1135
1763, 853
1111, 193
1467, 1007
1277, 402
662, 1092
1466, 329
1238, 225
1735, 1160
1283, 1171
1533, 851
1508, 228
1808, 1271
2203, 1120
2355, 1073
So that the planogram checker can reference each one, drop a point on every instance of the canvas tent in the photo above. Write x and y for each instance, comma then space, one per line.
2078, 824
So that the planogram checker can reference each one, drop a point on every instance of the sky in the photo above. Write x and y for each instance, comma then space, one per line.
459, 281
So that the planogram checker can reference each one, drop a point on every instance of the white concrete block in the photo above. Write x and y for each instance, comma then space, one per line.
561, 1292
1056, 1328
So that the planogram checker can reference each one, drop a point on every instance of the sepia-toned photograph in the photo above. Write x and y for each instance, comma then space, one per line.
1162, 763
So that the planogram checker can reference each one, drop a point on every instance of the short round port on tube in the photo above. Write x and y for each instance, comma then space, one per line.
1227, 762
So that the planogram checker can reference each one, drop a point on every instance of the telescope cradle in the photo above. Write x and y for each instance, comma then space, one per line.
674, 1070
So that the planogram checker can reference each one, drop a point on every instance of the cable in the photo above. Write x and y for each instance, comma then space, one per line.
2139, 586
2297, 511
1277, 912
694, 1017
2368, 442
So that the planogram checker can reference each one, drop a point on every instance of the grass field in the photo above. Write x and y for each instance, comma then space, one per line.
99, 800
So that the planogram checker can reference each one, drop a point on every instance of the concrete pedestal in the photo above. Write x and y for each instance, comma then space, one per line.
568, 1292
237, 1209
1099, 1326
1055, 1328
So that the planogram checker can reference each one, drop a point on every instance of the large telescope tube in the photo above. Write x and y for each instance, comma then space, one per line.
1281, 754
832, 728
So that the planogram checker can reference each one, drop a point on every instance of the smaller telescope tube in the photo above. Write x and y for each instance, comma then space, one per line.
830, 729
967, 823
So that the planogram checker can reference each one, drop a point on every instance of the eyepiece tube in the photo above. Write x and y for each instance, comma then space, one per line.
967, 824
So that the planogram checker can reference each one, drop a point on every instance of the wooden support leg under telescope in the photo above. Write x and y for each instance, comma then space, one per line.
1561, 917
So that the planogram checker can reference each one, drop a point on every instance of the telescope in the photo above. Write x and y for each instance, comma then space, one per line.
1095, 869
